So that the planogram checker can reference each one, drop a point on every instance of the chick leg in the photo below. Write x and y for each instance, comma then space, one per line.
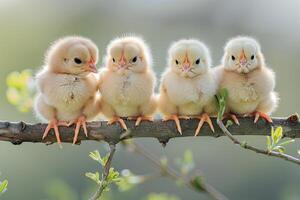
53, 124
258, 114
204, 118
80, 121
175, 118
117, 119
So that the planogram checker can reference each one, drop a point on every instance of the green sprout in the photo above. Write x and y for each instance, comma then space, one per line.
275, 143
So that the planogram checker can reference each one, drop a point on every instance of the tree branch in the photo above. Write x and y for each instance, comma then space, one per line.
20, 132
255, 149
171, 173
106, 169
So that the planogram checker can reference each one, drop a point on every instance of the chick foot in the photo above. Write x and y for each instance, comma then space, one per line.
204, 118
175, 118
139, 119
117, 119
258, 114
233, 117
80, 121
53, 124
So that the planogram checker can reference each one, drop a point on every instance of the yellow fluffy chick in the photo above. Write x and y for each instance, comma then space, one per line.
67, 85
127, 82
249, 81
188, 85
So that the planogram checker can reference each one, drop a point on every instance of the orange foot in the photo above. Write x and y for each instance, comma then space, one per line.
204, 118
175, 118
117, 119
140, 119
54, 124
233, 117
262, 115
80, 121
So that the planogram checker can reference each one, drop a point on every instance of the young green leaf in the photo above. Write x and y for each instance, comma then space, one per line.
95, 155
197, 183
93, 176
286, 142
3, 186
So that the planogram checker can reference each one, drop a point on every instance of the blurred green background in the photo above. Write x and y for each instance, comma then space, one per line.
27, 28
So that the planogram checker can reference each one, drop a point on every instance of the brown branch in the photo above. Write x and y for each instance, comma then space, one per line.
255, 149
105, 174
163, 131
171, 173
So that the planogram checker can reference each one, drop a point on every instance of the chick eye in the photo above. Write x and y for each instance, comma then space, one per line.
176, 61
113, 60
134, 59
252, 57
197, 61
232, 57
77, 61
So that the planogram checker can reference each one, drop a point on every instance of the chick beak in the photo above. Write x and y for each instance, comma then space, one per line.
242, 58
186, 64
91, 67
122, 61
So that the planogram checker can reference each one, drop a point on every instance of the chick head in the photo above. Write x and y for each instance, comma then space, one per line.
189, 58
242, 55
127, 54
72, 55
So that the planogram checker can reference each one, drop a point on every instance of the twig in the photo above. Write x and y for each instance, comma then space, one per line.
255, 149
105, 173
163, 131
170, 172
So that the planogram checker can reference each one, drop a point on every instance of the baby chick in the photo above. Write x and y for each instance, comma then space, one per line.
67, 86
127, 82
188, 85
249, 81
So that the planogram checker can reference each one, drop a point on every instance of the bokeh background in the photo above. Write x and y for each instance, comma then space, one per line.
36, 171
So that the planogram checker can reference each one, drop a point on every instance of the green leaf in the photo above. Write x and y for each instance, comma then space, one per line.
3, 186
113, 176
277, 135
221, 97
95, 155
228, 123
298, 152
93, 176
280, 149
198, 184
186, 163
128, 180
286, 142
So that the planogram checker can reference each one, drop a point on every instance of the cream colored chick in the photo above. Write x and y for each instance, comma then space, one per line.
249, 81
67, 86
127, 82
188, 85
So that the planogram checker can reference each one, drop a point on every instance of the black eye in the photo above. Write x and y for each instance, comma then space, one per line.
77, 61
176, 61
197, 61
134, 59
252, 57
232, 57
114, 60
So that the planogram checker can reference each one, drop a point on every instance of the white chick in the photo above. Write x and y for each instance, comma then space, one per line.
188, 85
127, 82
67, 86
249, 81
